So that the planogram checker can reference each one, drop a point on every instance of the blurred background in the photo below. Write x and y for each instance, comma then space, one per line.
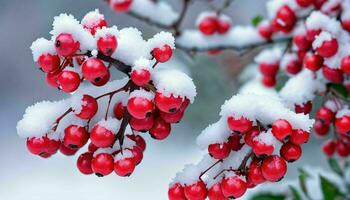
24, 176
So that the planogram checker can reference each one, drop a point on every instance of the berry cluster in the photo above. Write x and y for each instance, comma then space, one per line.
248, 146
106, 115
120, 5
209, 23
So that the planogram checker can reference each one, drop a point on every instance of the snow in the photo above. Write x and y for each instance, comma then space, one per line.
174, 82
65, 23
126, 154
267, 138
111, 124
235, 159
343, 112
332, 105
104, 31
42, 46
92, 18
77, 103
214, 133
321, 38
255, 86
189, 175
269, 56
288, 58
160, 39
142, 94
318, 20
142, 64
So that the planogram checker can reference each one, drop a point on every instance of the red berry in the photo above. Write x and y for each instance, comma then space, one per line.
75, 136
101, 136
345, 64
346, 24
313, 62
328, 148
124, 166
93, 26
328, 48
196, 191
235, 142
233, 187
215, 193
265, 30
65, 45
219, 151
142, 125
107, 45
38, 145
140, 107
281, 128
285, 19
172, 118
162, 54
305, 108
342, 125
333, 75
325, 115
84, 163
67, 150
168, 104
53, 146
95, 71
137, 153
304, 3
176, 192
120, 5
92, 148
119, 110
241, 124
262, 149
299, 137
102, 164
160, 129
223, 26
273, 168
321, 128
140, 142
294, 66
250, 135
140, 77
68, 81
302, 42
254, 173
290, 152
49, 63
51, 78
269, 69
269, 81
89, 107
342, 148
312, 33
318, 3
208, 25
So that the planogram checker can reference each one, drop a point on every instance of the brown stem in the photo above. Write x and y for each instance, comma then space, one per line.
58, 120
177, 24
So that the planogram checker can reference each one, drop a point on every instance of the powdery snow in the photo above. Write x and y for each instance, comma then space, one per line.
111, 124
42, 46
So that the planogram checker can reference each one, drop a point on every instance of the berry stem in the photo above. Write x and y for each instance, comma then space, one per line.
54, 128
209, 168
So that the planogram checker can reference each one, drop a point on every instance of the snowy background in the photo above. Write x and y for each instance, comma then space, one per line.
28, 177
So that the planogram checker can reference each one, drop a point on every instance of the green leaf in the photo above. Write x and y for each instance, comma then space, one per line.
303, 175
333, 163
295, 193
329, 190
339, 89
256, 20
268, 196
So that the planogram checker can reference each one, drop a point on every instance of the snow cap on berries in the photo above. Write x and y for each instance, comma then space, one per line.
160, 39
111, 124
42, 46
126, 154
142, 64
174, 82
214, 133
142, 93
270, 56
104, 31
92, 18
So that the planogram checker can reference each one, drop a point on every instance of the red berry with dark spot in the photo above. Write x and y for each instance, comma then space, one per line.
107, 45
75, 136
342, 125
273, 168
102, 164
168, 104
67, 150
84, 163
140, 107
65, 45
235, 142
325, 115
321, 128
95, 71
290, 152
281, 128
49, 63
68, 81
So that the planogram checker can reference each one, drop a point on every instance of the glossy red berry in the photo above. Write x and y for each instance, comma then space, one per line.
89, 107
304, 3
172, 118
234, 142
223, 26
208, 25
176, 192
321, 128
328, 147
140, 142
260, 148
168, 104
95, 71
140, 77
160, 129
75, 136
281, 128
68, 81
215, 192
120, 5
142, 125
325, 115
124, 166
49, 63
328, 48
345, 64
67, 150
302, 42
102, 164
294, 66
119, 110
162, 54
38, 145
250, 135
241, 124
219, 151
137, 153
342, 148
312, 33
101, 137
333, 75
273, 168
233, 187
265, 30
140, 107
51, 78
290, 152
66, 45
269, 69
84, 163
285, 19
269, 81
342, 125
196, 191
107, 45
304, 108
254, 173
299, 136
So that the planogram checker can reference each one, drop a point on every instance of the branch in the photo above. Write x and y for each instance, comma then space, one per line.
176, 25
